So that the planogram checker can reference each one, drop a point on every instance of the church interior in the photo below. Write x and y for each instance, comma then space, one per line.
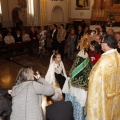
44, 13
25, 14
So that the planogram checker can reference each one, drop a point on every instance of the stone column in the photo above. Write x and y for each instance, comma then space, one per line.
36, 12
43, 12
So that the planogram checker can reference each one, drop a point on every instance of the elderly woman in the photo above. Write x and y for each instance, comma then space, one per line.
26, 102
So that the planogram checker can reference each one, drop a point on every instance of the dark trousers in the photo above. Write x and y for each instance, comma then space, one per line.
61, 48
54, 45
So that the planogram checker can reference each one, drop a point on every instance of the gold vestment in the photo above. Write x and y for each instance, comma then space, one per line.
103, 101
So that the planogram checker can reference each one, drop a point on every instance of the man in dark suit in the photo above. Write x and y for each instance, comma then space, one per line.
59, 111
53, 38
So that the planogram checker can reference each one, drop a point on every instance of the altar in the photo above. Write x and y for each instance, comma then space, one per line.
116, 29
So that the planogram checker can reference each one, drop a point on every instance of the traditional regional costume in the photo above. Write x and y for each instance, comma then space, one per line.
75, 88
56, 73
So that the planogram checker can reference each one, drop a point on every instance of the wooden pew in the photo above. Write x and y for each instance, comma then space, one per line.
15, 48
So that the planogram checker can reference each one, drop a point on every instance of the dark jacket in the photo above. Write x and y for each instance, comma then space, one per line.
54, 37
18, 38
60, 111
3, 92
5, 104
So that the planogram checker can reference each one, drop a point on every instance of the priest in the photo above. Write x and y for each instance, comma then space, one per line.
104, 84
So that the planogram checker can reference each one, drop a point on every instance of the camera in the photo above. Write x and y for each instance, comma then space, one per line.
36, 73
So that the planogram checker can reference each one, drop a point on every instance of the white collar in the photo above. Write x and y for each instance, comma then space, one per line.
82, 53
110, 51
54, 30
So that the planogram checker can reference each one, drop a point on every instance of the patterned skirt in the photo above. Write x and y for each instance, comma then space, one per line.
78, 111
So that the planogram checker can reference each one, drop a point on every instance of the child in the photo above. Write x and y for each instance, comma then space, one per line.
56, 72
95, 52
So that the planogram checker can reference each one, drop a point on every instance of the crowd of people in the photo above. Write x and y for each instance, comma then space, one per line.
91, 91
56, 37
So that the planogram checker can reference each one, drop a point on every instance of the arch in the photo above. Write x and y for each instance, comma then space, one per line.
57, 14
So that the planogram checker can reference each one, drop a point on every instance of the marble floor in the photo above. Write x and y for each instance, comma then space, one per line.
10, 68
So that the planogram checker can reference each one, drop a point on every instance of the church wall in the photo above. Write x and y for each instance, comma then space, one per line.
5, 13
62, 5
36, 12
12, 4
80, 14
7, 7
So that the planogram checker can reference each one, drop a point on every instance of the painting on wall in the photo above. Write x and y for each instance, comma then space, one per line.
82, 4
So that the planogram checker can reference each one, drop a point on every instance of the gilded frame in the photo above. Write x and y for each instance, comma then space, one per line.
82, 5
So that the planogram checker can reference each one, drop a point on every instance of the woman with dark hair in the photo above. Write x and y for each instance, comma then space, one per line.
102, 29
87, 30
27, 95
95, 52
